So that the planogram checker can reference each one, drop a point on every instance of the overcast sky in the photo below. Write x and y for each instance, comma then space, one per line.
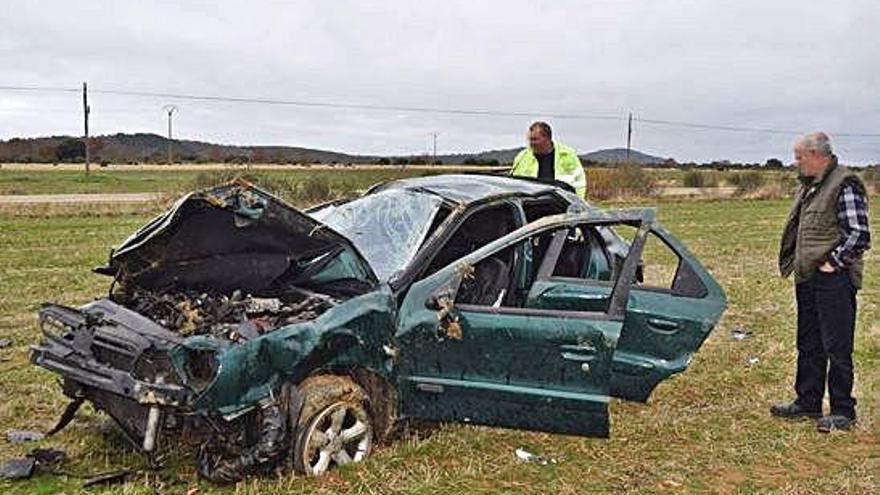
786, 65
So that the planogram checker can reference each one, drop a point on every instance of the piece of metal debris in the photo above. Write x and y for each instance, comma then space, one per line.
110, 478
753, 361
453, 330
18, 468
740, 334
527, 456
22, 436
5, 343
46, 457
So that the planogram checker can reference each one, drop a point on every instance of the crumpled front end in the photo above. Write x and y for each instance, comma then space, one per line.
180, 341
115, 358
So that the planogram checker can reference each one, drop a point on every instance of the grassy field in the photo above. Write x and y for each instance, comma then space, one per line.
69, 179
134, 179
705, 431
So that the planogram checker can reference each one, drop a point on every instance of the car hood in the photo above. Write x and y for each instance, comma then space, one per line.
236, 236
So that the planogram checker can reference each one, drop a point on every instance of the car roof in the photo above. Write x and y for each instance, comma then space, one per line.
467, 188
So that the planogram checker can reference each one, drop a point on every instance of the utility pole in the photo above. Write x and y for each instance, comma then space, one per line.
629, 133
170, 109
434, 135
86, 111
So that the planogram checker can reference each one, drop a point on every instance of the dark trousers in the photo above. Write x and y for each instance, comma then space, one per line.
825, 327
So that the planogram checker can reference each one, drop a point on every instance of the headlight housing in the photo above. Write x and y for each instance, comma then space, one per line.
200, 368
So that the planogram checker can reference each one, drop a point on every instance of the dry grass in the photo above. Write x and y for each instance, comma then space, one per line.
705, 431
626, 181
49, 210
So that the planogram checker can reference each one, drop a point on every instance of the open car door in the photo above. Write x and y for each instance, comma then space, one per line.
673, 304
471, 351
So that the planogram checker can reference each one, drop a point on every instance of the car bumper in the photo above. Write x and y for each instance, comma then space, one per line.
87, 372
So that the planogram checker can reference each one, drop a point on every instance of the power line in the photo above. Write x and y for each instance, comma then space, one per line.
40, 88
764, 130
434, 110
355, 106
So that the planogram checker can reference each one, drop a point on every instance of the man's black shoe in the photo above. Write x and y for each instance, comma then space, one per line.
834, 422
794, 410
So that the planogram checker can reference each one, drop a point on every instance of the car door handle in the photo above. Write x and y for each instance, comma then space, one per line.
578, 358
585, 348
580, 353
663, 326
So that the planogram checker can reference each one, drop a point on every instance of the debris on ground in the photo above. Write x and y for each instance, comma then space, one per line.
5, 343
48, 457
527, 456
111, 478
22, 436
753, 361
18, 468
740, 334
24, 467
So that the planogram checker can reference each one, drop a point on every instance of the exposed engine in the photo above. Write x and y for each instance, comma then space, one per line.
235, 316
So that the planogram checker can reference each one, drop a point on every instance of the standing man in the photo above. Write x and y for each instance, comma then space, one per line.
823, 241
544, 159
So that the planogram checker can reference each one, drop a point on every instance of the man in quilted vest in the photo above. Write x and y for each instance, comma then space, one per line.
822, 244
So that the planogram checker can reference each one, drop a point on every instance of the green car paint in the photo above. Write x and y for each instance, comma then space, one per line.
350, 334
662, 328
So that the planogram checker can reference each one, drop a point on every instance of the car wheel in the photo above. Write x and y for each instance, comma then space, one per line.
334, 426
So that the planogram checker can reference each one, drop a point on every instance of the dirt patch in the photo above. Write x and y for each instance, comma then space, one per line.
729, 480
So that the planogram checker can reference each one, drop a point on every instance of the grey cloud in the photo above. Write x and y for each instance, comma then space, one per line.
782, 64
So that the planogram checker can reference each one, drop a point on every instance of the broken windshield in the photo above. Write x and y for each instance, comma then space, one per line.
387, 227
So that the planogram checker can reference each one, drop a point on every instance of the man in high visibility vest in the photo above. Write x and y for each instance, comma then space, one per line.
544, 159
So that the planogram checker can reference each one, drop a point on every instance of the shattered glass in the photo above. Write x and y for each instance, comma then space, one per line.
387, 227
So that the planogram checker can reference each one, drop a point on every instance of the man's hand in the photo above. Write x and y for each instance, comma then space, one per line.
827, 268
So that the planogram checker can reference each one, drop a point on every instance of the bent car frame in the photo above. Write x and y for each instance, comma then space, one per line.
274, 336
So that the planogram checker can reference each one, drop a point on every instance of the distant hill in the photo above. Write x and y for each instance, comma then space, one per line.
152, 148
618, 155
611, 155
141, 148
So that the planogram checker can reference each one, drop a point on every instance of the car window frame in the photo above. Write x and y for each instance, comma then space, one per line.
546, 272
444, 232
616, 309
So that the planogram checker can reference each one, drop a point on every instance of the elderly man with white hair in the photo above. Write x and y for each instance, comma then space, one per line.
823, 242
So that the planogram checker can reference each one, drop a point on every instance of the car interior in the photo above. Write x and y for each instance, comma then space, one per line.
500, 281
477, 230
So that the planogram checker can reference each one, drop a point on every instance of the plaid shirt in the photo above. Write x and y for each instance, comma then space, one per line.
852, 218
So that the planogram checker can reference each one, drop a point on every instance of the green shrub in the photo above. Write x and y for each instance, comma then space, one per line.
313, 190
619, 182
788, 183
693, 178
747, 182
871, 177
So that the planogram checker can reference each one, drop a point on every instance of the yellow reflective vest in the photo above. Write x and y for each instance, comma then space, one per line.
567, 167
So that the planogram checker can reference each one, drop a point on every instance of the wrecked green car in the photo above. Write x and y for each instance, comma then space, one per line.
277, 337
